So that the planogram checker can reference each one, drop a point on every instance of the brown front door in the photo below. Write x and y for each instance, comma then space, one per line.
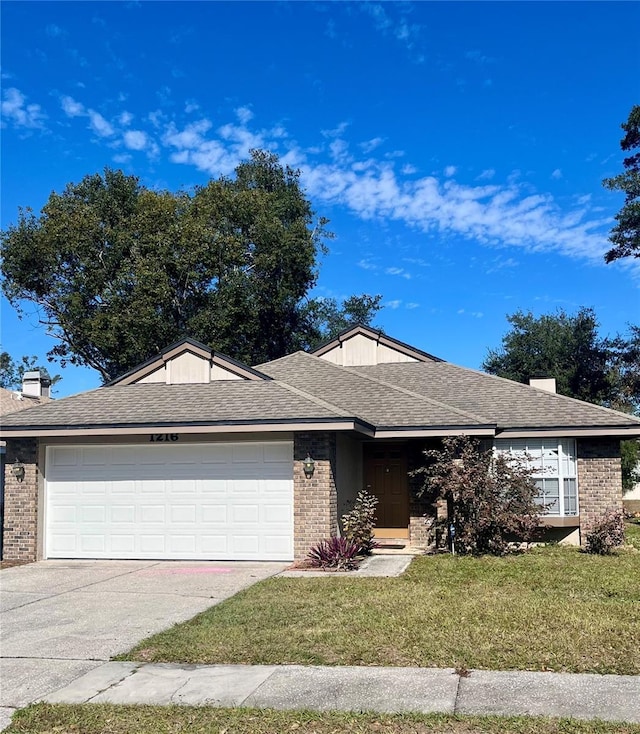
385, 473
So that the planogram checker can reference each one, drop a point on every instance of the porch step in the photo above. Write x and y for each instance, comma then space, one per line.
395, 546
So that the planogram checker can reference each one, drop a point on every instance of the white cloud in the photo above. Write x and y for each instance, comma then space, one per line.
125, 118
557, 173
370, 145
135, 139
393, 304
494, 214
99, 125
71, 108
15, 109
408, 169
244, 114
398, 271
411, 306
367, 265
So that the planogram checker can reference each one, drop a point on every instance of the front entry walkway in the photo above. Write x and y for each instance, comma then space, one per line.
61, 619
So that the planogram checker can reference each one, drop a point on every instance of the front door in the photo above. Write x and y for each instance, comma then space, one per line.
385, 472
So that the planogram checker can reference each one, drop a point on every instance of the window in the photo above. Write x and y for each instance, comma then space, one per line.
554, 462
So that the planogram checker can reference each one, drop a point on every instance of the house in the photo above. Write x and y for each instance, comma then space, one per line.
193, 455
35, 391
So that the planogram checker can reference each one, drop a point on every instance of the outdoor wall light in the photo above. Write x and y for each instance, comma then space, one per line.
17, 469
309, 466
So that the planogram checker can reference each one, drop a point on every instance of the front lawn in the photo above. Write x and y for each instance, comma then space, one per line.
549, 609
632, 532
109, 719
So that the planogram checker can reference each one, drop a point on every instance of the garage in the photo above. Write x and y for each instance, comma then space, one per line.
170, 500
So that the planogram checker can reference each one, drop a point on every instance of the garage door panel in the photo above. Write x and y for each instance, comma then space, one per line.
214, 514
122, 545
102, 504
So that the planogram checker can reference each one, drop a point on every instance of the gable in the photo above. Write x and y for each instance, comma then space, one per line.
189, 362
360, 346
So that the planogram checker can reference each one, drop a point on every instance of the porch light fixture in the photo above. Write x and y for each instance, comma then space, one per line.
17, 469
309, 466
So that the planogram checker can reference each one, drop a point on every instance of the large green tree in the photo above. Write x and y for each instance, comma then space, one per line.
625, 236
119, 271
559, 345
604, 371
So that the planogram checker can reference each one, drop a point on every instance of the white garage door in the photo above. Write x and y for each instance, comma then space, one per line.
171, 500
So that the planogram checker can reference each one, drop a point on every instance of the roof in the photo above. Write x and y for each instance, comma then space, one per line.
384, 406
225, 403
511, 405
301, 391
15, 402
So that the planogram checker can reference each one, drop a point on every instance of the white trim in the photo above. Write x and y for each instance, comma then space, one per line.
623, 432
434, 432
348, 425
565, 446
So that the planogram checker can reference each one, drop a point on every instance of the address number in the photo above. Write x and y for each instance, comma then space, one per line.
154, 437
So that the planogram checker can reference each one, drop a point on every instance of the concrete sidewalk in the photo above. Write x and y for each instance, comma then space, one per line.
426, 690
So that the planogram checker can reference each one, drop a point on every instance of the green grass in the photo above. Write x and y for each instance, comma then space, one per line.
550, 609
632, 532
110, 719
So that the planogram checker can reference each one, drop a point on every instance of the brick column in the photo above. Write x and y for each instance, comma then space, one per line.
599, 480
315, 500
21, 502
422, 514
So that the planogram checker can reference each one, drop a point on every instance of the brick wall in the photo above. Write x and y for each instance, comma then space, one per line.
315, 506
599, 480
422, 514
20, 503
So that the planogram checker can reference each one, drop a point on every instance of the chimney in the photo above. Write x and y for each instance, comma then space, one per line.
36, 384
548, 384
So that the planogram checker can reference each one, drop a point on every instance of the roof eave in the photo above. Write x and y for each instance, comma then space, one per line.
622, 432
238, 426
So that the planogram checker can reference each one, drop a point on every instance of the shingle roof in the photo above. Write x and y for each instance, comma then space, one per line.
376, 403
413, 395
504, 402
15, 402
225, 401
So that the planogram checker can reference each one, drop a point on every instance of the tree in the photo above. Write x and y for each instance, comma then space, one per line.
119, 271
625, 236
325, 318
556, 345
12, 372
604, 371
491, 498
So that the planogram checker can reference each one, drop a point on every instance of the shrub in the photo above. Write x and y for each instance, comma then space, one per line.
606, 535
491, 499
358, 523
339, 553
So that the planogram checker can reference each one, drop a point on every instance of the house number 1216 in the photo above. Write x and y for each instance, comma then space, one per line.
163, 437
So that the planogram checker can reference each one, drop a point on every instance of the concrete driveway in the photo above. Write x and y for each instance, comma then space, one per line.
60, 619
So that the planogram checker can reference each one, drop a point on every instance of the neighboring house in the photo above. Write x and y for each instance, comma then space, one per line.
35, 391
193, 455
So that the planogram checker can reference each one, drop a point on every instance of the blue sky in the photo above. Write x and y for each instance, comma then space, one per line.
457, 148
